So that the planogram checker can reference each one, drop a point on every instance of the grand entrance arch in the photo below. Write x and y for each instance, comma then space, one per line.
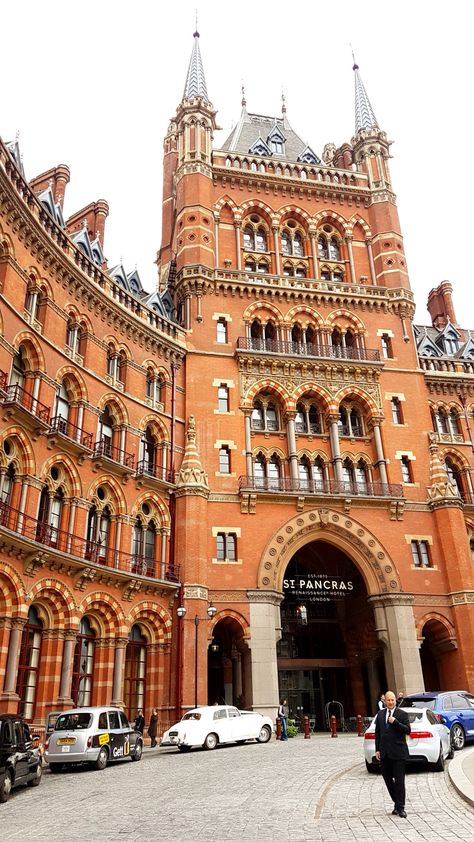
330, 543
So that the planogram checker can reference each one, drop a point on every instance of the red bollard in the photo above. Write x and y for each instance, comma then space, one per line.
360, 726
307, 735
333, 726
278, 728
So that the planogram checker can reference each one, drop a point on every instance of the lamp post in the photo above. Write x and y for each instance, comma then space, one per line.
211, 612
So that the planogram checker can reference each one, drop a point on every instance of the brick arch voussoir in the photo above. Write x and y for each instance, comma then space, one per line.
267, 384
13, 590
28, 455
311, 386
287, 210
356, 219
34, 353
73, 482
157, 502
323, 215
360, 545
251, 311
226, 200
157, 617
58, 598
229, 613
331, 319
434, 616
152, 420
354, 392
303, 309
118, 497
107, 612
458, 458
117, 403
76, 379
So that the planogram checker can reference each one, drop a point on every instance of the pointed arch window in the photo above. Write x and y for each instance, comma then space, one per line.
49, 516
135, 672
259, 471
144, 547
148, 450
29, 664
83, 665
441, 421
106, 425
18, 372
317, 470
61, 409
304, 473
7, 487
361, 476
72, 335
224, 460
350, 422
454, 424
98, 533
454, 476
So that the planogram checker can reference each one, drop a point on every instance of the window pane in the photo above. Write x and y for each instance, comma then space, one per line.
231, 542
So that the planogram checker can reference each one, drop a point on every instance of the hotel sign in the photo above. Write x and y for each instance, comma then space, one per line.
317, 587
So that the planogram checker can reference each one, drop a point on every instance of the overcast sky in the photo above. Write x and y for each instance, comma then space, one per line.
94, 84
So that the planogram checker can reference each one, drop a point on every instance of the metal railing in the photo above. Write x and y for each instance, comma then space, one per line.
81, 548
152, 469
301, 349
329, 487
3, 381
71, 431
17, 394
103, 447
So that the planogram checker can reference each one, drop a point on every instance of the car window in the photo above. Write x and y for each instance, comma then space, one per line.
470, 699
19, 735
459, 702
26, 733
415, 715
124, 723
7, 734
220, 714
233, 712
409, 702
192, 716
103, 721
431, 718
114, 721
73, 721
447, 703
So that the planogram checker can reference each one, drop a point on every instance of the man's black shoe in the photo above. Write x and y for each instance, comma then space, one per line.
395, 812
402, 814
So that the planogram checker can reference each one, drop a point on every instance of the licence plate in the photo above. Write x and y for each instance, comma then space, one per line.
67, 741
66, 748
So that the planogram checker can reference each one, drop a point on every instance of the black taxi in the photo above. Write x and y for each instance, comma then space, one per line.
20, 763
95, 735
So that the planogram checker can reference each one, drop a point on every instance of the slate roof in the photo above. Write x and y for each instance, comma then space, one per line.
251, 127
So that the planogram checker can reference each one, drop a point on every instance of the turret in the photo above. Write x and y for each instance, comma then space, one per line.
370, 144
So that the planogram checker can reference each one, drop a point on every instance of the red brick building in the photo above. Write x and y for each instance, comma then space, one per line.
267, 436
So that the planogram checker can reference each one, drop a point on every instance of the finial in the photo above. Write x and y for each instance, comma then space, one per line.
244, 101
283, 104
196, 33
17, 136
355, 66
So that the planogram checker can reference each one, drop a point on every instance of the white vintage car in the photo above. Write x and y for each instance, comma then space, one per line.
211, 726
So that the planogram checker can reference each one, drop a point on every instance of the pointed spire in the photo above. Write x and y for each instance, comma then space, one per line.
195, 81
283, 103
364, 115
244, 101
191, 473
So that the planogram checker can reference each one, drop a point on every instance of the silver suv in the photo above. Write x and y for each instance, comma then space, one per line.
92, 735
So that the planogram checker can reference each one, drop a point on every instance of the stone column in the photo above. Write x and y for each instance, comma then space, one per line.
277, 249
374, 689
248, 445
22, 504
66, 668
119, 664
291, 434
265, 625
314, 252
395, 626
238, 225
348, 239
335, 448
381, 461
236, 676
11, 672
373, 276
217, 220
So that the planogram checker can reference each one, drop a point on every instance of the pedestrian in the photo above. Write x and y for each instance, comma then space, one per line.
283, 717
153, 727
391, 729
139, 723
381, 702
400, 698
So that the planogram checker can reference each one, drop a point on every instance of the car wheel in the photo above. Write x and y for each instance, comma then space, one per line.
5, 787
371, 768
439, 765
138, 753
55, 768
211, 741
184, 748
37, 778
264, 734
102, 759
458, 737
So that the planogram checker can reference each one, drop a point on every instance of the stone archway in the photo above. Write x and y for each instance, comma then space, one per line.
393, 611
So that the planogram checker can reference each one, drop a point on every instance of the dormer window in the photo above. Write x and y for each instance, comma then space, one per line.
276, 146
450, 345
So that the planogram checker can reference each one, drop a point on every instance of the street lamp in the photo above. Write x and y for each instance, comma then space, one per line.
211, 612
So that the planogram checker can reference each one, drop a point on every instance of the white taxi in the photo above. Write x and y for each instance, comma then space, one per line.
216, 725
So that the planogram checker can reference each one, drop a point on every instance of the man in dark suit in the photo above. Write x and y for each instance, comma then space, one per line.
391, 729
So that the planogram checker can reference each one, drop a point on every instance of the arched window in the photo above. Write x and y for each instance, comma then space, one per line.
148, 448
135, 672
98, 533
454, 425
49, 516
348, 473
261, 239
106, 425
259, 471
454, 476
285, 242
61, 410
18, 371
112, 361
350, 421
28, 666
361, 476
83, 665
144, 548
7, 488
255, 236
441, 421
274, 472
224, 459
257, 420
298, 250
72, 335
334, 249
323, 250
271, 417
304, 472
317, 470
256, 330
301, 420
121, 366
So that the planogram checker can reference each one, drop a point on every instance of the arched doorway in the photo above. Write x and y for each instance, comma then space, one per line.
438, 641
329, 649
229, 668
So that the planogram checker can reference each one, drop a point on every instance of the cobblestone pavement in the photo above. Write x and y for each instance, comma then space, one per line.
301, 790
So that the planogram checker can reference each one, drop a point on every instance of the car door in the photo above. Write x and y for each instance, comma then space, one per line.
464, 706
441, 730
238, 725
127, 732
21, 754
221, 725
116, 735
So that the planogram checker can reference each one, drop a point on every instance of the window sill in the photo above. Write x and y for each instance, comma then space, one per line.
220, 412
226, 561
